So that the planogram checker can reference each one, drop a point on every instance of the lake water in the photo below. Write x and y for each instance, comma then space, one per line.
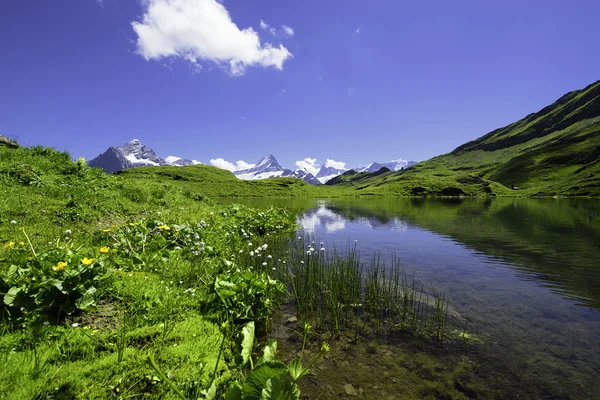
524, 272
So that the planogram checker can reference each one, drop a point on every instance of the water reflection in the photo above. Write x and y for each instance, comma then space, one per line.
553, 242
524, 272
325, 218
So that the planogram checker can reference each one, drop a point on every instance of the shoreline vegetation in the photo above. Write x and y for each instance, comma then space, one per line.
115, 288
141, 285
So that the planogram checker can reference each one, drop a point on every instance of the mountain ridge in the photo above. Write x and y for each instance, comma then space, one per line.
554, 151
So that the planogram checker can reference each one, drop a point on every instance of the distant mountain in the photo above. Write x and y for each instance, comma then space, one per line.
394, 165
268, 167
353, 177
301, 174
180, 162
326, 173
133, 154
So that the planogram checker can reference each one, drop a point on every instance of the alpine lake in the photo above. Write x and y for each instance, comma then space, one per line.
522, 275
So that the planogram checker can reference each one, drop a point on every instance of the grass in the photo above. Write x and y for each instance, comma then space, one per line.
137, 285
98, 273
337, 292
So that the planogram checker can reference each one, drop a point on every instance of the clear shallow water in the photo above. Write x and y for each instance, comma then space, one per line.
524, 272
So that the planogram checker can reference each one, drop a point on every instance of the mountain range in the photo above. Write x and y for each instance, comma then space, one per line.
135, 154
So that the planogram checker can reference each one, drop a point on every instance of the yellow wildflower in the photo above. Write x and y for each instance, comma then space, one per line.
107, 231
164, 227
131, 224
60, 266
88, 261
9, 245
21, 243
104, 249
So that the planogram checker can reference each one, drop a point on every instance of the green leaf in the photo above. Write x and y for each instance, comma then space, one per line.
257, 380
269, 352
280, 388
234, 392
85, 301
13, 292
297, 371
246, 344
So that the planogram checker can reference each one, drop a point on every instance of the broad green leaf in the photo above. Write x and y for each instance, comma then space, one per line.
234, 392
85, 301
269, 352
247, 342
13, 292
257, 380
297, 371
280, 388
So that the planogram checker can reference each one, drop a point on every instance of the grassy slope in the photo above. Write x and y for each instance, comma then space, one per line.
552, 152
61, 204
201, 180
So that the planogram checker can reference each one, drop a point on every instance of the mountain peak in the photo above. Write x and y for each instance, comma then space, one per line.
134, 154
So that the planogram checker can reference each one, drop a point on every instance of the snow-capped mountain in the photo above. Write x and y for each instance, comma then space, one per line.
268, 167
326, 173
302, 174
180, 162
394, 165
133, 154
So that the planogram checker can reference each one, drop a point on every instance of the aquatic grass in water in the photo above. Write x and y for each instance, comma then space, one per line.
337, 291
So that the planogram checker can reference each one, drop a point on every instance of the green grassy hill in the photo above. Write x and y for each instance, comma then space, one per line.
552, 152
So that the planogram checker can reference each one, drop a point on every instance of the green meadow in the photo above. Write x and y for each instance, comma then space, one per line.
139, 285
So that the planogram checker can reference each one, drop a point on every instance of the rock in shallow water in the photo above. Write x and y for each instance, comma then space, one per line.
350, 391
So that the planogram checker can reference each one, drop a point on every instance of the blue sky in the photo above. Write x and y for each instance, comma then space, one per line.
351, 81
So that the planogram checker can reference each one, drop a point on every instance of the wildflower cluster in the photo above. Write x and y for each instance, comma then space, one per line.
50, 282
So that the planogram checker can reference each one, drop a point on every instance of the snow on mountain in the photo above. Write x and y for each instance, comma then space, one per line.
302, 174
180, 162
326, 173
268, 167
394, 165
134, 154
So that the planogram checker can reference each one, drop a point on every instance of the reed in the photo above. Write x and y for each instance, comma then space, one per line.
336, 291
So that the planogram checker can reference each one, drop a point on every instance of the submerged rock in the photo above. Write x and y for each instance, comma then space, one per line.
349, 389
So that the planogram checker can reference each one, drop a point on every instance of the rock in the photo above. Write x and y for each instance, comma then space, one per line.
4, 141
292, 319
349, 389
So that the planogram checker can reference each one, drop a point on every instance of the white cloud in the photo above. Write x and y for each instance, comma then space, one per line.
243, 165
223, 164
335, 164
357, 31
202, 30
287, 30
308, 164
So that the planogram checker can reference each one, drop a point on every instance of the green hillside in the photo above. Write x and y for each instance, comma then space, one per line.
552, 152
